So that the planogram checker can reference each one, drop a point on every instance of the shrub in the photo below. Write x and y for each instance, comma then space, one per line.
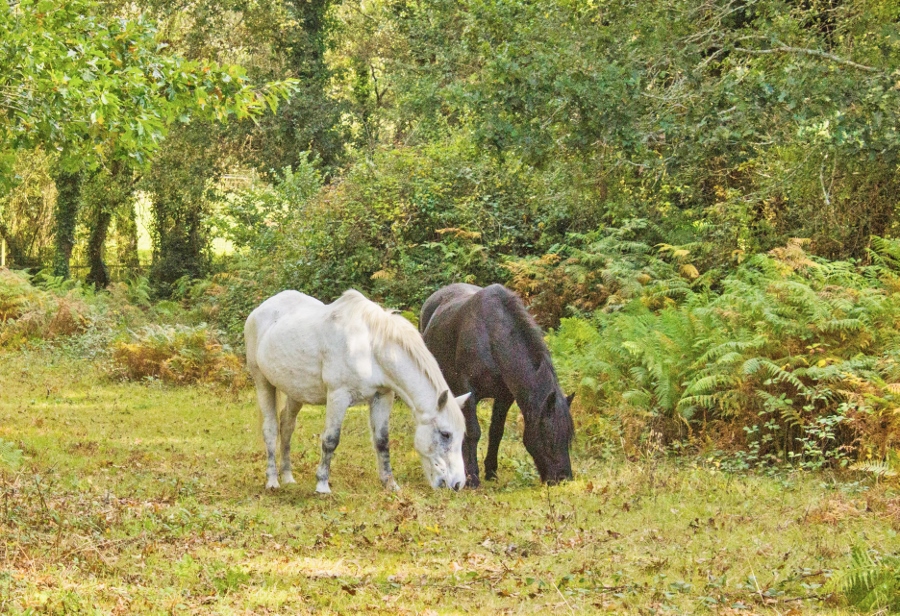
178, 354
28, 312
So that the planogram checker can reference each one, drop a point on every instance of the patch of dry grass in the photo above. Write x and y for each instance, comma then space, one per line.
178, 354
137, 498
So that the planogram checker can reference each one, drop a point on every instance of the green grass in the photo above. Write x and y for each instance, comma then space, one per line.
144, 498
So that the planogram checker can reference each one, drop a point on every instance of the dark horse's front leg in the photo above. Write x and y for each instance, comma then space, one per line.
470, 442
495, 435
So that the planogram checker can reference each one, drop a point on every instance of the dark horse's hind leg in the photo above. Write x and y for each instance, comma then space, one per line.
495, 435
470, 442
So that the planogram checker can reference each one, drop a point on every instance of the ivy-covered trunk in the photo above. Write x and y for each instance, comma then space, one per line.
127, 237
99, 273
108, 193
68, 188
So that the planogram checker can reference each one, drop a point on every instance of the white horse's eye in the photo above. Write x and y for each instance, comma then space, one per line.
446, 435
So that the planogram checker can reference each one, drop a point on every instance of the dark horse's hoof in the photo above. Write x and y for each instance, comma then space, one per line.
472, 482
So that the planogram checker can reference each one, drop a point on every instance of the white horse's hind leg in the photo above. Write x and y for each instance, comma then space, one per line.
288, 421
379, 416
265, 395
331, 437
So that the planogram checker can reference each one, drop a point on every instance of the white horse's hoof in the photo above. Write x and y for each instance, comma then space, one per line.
287, 478
272, 484
391, 486
323, 488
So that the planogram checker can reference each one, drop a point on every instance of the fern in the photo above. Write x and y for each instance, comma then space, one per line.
882, 468
810, 346
10, 455
871, 582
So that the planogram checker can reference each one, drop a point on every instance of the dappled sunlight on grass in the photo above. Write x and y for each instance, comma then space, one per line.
146, 498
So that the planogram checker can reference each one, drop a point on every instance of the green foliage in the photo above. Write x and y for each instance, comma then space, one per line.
871, 582
741, 125
796, 356
608, 267
252, 218
74, 78
26, 211
396, 227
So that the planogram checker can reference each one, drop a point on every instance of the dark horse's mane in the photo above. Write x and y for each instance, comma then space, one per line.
530, 331
533, 337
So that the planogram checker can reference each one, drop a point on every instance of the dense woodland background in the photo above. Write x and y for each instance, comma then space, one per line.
697, 199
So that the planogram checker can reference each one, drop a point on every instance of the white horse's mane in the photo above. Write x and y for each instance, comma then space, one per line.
386, 327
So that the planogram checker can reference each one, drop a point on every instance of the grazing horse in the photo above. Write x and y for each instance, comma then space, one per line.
486, 343
343, 354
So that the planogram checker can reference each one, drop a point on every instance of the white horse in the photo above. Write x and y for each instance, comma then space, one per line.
342, 354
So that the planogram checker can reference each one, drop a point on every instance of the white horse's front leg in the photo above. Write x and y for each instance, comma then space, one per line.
379, 416
331, 437
288, 421
265, 395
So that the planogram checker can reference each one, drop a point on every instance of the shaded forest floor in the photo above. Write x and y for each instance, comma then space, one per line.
143, 498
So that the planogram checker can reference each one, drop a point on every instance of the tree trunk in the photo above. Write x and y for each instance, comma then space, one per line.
68, 188
99, 274
14, 257
109, 193
127, 237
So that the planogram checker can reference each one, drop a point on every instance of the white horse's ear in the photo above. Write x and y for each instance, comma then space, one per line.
442, 399
460, 400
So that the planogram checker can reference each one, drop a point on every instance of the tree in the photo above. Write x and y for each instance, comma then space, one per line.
99, 89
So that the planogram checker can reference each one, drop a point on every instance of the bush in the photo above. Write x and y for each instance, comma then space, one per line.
794, 359
396, 225
178, 354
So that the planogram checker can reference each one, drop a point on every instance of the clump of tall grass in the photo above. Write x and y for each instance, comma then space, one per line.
793, 358
178, 354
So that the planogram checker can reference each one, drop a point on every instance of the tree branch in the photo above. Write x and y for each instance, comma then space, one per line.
809, 52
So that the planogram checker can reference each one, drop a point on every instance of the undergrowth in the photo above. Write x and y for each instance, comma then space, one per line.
789, 359
121, 328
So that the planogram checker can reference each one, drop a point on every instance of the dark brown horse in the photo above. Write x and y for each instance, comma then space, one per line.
486, 343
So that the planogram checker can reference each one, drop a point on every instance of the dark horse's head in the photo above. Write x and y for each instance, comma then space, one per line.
549, 432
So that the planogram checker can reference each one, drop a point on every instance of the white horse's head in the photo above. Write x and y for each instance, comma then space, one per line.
439, 438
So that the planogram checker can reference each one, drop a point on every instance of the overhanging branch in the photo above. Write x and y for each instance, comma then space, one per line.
809, 52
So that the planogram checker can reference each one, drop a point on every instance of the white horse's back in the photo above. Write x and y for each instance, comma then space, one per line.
305, 348
285, 338
268, 314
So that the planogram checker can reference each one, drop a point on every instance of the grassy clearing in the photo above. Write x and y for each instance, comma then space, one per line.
144, 498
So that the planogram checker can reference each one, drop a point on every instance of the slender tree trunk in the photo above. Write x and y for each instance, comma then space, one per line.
127, 236
110, 193
14, 257
68, 188
99, 274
